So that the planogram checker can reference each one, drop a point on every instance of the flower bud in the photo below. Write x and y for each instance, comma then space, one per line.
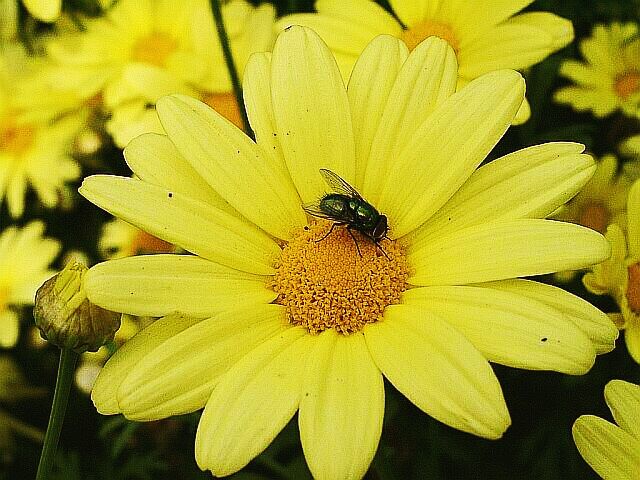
65, 316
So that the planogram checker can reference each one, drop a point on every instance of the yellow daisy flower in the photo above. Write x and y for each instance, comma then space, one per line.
142, 50
485, 36
609, 79
613, 451
278, 316
34, 149
24, 260
619, 276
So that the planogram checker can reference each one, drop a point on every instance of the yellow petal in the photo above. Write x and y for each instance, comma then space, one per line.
369, 87
425, 81
232, 164
632, 338
587, 318
341, 407
523, 114
193, 225
438, 370
9, 328
128, 355
623, 398
529, 183
509, 329
156, 285
311, 110
360, 12
412, 11
503, 250
611, 452
257, 99
473, 19
633, 216
560, 29
154, 159
44, 10
445, 150
254, 400
179, 375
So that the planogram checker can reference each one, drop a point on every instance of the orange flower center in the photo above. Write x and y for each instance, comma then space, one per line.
633, 287
226, 105
327, 284
15, 139
413, 36
595, 216
627, 84
144, 243
155, 48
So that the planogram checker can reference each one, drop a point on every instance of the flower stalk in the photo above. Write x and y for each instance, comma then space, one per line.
233, 72
66, 368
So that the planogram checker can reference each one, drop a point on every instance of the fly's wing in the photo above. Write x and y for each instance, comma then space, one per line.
338, 184
314, 210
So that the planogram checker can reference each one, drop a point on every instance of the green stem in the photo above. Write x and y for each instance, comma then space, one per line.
233, 72
60, 397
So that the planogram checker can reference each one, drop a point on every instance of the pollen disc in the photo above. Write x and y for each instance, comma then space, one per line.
327, 284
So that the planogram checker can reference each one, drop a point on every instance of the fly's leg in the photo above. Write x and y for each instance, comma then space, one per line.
382, 250
333, 225
354, 240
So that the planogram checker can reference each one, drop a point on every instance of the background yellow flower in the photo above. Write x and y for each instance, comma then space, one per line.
609, 78
485, 36
613, 451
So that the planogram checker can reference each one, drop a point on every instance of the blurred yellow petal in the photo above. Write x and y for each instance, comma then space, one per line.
44, 10
508, 328
195, 226
341, 407
156, 285
633, 216
9, 328
560, 29
436, 368
254, 400
311, 111
508, 249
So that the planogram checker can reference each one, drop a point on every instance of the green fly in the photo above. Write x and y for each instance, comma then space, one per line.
345, 206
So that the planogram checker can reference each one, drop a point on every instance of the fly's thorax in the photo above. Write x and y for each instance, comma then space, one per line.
328, 284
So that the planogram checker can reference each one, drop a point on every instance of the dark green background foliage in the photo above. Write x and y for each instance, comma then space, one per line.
543, 406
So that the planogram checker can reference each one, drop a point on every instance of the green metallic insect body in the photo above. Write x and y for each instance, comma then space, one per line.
347, 207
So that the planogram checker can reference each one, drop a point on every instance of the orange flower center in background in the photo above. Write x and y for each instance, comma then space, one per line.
155, 48
144, 243
15, 139
327, 284
226, 105
413, 36
627, 84
633, 287
595, 216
